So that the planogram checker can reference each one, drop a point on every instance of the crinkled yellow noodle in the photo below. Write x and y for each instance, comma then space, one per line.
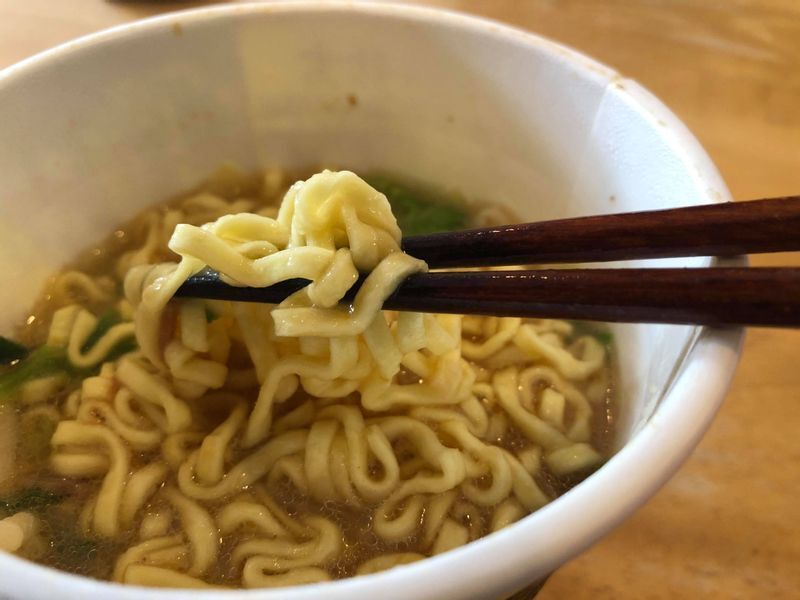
261, 446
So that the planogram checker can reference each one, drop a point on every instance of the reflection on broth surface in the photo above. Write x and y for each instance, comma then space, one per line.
194, 443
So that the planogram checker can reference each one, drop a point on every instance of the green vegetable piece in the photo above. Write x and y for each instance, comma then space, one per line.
11, 351
32, 499
49, 360
603, 336
105, 322
44, 361
417, 213
211, 316
122, 347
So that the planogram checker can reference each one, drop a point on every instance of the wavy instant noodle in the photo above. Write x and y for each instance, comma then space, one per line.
208, 443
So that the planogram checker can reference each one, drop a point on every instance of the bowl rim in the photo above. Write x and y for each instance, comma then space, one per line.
497, 563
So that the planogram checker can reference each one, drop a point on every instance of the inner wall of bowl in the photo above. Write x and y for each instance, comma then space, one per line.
94, 137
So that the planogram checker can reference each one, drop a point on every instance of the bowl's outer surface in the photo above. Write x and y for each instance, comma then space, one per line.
98, 129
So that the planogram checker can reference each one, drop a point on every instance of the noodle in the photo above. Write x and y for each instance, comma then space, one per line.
261, 446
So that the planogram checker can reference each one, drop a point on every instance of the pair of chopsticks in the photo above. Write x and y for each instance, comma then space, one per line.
714, 296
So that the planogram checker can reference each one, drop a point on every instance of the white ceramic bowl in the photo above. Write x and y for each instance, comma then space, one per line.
97, 129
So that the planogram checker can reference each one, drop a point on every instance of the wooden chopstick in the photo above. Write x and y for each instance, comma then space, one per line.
728, 229
715, 296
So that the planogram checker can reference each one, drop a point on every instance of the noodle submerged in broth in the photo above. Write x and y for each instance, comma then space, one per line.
190, 443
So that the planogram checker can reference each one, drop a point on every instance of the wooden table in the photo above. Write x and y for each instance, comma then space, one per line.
728, 525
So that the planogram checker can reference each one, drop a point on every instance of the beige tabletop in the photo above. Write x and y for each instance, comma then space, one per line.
728, 524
